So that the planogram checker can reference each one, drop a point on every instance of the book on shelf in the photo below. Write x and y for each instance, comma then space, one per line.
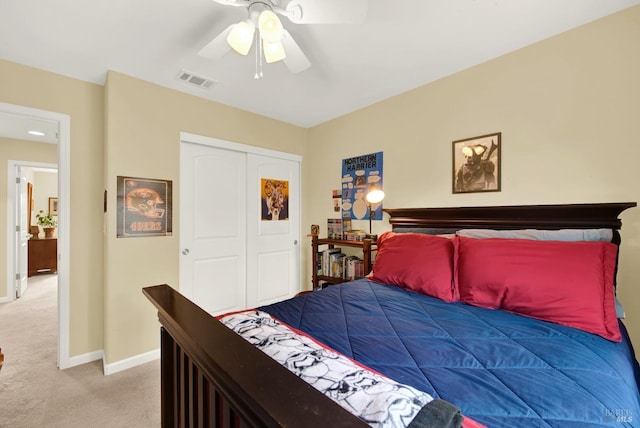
354, 268
325, 257
359, 270
336, 263
350, 267
319, 263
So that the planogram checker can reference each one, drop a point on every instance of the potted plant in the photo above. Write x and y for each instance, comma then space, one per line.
47, 222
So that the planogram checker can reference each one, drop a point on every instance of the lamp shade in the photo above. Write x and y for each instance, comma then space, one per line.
270, 27
374, 196
241, 37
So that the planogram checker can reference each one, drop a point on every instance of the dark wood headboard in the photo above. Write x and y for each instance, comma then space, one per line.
552, 217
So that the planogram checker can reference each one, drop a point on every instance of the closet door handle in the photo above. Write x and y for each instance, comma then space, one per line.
185, 251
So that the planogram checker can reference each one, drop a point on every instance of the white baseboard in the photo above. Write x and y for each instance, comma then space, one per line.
82, 359
128, 363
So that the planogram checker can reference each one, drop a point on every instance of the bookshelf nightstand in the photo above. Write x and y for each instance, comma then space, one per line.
367, 245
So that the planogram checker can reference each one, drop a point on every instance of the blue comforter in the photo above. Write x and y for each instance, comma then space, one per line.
501, 369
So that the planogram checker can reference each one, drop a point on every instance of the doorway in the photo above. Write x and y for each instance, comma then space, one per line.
17, 115
36, 185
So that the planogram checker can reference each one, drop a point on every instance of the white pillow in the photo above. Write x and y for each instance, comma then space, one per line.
604, 235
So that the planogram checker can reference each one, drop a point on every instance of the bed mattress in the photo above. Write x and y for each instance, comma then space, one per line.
501, 369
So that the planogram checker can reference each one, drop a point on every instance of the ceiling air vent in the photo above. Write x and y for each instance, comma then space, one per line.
195, 80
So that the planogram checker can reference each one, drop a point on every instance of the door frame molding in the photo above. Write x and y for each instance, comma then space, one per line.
187, 137
64, 192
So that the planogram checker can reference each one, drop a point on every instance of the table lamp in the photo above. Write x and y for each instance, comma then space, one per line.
374, 196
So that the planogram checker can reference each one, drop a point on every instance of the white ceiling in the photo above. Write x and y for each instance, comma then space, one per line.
18, 126
402, 44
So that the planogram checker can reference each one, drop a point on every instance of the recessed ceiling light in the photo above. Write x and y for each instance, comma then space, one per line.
38, 133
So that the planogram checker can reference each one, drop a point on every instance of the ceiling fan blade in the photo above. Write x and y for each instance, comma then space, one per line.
218, 46
295, 60
327, 11
230, 2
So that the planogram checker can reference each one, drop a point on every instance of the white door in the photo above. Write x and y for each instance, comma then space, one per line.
22, 237
213, 227
273, 229
232, 259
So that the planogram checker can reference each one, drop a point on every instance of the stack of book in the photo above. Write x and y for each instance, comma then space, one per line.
355, 235
334, 228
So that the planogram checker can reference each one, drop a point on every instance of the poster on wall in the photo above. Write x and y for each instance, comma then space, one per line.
360, 175
144, 207
274, 197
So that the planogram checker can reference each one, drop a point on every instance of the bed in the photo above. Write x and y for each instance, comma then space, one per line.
433, 317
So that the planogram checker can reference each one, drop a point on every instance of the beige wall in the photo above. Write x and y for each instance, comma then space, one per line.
45, 186
568, 111
16, 150
144, 122
84, 103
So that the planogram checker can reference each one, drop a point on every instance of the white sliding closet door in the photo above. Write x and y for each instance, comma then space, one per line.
273, 228
213, 227
239, 226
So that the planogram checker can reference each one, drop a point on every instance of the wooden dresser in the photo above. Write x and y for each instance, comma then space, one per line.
43, 256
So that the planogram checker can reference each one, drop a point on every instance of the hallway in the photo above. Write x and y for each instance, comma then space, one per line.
34, 393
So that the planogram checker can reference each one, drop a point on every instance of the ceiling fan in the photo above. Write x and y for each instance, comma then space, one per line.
271, 39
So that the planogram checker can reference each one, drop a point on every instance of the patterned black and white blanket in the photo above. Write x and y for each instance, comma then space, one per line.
374, 398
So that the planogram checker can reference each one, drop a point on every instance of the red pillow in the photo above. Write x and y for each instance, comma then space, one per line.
418, 262
568, 283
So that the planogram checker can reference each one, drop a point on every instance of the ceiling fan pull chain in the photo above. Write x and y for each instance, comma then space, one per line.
258, 74
260, 55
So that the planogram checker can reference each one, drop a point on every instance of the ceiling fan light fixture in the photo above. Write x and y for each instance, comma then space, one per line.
271, 29
241, 37
273, 52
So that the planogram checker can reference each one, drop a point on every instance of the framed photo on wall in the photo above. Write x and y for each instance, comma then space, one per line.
144, 207
477, 163
53, 206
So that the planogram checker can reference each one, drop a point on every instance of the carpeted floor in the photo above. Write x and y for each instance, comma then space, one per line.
34, 393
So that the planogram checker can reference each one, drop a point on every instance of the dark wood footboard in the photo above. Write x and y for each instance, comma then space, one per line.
211, 377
